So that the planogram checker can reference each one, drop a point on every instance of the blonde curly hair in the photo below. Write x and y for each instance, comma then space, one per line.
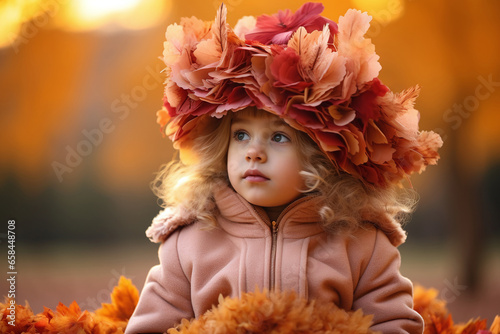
347, 200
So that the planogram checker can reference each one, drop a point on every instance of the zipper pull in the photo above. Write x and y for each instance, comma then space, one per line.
274, 240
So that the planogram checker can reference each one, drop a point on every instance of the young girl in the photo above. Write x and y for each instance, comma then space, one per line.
292, 154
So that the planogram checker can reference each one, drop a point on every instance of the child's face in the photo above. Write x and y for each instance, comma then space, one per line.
263, 163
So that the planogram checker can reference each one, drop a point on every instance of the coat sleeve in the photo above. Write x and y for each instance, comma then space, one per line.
165, 298
385, 293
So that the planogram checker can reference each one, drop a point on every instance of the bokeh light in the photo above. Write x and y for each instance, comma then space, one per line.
115, 14
19, 18
383, 11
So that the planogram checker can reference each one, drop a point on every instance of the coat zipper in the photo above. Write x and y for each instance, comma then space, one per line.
274, 240
272, 274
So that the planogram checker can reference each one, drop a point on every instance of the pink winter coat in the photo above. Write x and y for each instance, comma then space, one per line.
245, 252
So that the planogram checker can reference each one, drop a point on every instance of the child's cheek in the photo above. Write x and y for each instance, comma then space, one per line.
232, 171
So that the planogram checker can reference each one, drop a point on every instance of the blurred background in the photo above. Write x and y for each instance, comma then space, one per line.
80, 85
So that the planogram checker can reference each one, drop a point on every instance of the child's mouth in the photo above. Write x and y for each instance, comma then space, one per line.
253, 175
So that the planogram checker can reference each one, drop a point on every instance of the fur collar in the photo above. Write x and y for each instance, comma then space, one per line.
235, 208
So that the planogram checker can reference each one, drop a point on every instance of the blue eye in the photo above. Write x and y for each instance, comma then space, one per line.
280, 138
240, 135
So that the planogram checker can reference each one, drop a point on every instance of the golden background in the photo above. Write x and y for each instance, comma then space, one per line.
80, 86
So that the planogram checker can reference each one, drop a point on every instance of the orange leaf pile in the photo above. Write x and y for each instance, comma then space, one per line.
276, 312
110, 319
439, 321
254, 312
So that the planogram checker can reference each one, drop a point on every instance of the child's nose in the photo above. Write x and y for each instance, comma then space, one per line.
256, 152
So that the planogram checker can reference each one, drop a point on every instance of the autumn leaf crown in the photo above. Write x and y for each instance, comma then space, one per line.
319, 76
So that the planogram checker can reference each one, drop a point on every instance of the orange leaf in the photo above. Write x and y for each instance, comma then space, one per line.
495, 326
471, 327
124, 299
